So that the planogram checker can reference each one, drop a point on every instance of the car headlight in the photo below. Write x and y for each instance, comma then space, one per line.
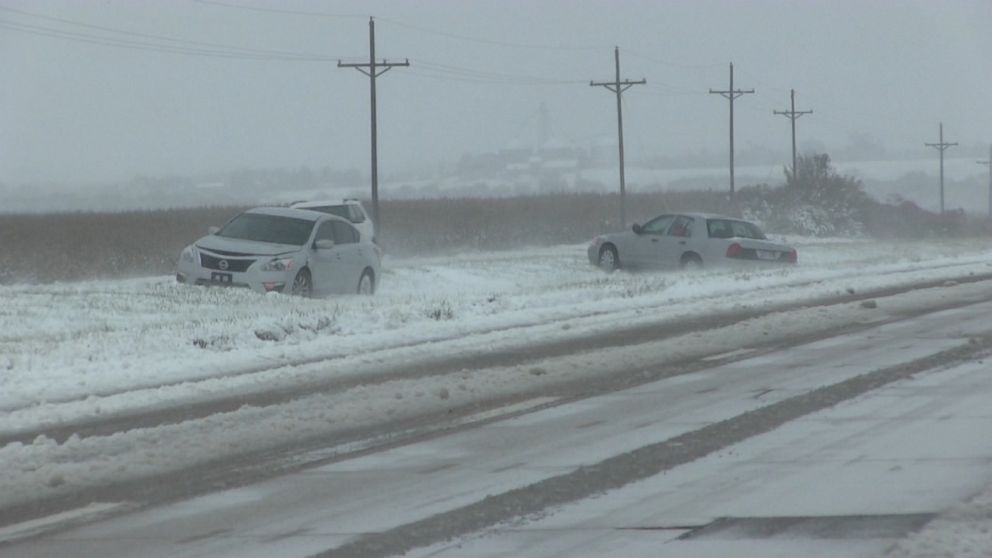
190, 255
278, 264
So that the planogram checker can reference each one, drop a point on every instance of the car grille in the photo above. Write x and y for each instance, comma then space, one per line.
213, 262
226, 253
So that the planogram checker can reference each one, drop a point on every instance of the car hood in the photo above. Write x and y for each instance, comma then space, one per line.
613, 236
233, 246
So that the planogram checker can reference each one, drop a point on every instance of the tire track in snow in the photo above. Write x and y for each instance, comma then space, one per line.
508, 356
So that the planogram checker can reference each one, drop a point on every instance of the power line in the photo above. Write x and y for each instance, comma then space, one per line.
765, 84
942, 146
398, 23
154, 37
669, 63
664, 90
280, 10
618, 87
373, 69
491, 42
793, 115
448, 77
730, 94
179, 48
203, 48
489, 75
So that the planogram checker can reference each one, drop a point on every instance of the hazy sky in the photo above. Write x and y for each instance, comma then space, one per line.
75, 110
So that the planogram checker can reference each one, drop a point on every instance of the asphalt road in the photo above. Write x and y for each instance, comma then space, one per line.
835, 445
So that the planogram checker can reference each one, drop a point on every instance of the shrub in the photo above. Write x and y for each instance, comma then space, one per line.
815, 201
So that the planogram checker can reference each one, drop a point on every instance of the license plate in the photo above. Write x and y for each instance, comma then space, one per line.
221, 278
767, 255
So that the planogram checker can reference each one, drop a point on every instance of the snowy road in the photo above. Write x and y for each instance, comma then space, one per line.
835, 447
137, 393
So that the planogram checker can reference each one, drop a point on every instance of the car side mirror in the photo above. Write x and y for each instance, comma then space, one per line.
324, 244
213, 230
637, 229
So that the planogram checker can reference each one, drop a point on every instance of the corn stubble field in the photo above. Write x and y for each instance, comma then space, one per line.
43, 248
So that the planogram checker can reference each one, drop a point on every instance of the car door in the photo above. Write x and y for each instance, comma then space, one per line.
353, 260
328, 265
677, 241
645, 246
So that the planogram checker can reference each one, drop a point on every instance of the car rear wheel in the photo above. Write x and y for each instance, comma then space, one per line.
608, 259
302, 284
366, 285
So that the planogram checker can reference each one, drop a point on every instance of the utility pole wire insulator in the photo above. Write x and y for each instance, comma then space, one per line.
617, 87
941, 146
731, 94
373, 70
793, 115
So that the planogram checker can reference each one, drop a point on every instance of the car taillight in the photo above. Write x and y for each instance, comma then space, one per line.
792, 256
734, 250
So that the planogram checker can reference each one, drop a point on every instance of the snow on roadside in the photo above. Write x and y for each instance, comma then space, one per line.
964, 531
46, 468
86, 341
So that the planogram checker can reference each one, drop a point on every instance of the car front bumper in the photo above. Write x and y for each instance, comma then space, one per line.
593, 252
259, 281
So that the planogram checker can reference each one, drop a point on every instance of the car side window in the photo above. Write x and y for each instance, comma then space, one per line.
344, 233
325, 232
682, 226
356, 213
658, 225
719, 228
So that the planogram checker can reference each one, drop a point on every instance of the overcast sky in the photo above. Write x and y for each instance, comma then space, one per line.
92, 91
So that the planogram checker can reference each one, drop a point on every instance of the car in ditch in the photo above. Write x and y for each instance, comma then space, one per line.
347, 208
279, 249
688, 240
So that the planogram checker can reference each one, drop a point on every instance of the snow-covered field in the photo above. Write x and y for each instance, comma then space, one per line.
72, 352
83, 342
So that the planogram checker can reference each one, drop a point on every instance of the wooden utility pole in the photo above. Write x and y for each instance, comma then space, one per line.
731, 94
793, 115
618, 87
942, 147
374, 69
988, 163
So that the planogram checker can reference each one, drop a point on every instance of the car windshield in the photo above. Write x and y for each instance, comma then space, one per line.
268, 228
729, 228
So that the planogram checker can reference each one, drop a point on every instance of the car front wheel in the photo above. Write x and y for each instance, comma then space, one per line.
608, 259
366, 285
302, 284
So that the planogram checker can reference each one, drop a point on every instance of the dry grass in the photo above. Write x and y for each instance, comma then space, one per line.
87, 245
74, 246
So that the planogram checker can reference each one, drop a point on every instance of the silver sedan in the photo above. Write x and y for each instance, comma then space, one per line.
688, 240
294, 251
